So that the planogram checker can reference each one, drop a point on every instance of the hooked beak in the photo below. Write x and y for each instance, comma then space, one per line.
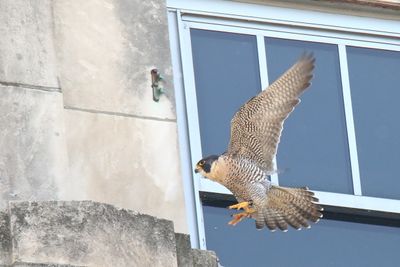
197, 169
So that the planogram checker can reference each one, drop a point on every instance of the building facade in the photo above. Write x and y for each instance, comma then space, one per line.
79, 122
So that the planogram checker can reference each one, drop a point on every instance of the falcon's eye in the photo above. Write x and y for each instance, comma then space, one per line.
202, 162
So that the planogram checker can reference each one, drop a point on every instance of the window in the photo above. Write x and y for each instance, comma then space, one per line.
374, 81
341, 141
337, 240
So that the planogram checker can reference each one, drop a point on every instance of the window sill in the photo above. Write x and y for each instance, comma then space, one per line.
337, 200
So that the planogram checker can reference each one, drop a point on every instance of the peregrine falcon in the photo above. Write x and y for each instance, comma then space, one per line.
244, 168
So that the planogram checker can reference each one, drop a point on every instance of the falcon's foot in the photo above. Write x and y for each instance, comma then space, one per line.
238, 217
242, 205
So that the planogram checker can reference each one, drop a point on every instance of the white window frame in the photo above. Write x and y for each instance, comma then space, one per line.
260, 21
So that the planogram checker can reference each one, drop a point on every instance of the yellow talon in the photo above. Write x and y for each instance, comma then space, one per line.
242, 205
238, 217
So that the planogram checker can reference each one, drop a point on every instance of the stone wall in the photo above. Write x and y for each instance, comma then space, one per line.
76, 111
86, 233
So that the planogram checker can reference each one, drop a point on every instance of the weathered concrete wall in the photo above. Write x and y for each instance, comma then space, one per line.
28, 264
122, 145
26, 45
5, 238
106, 50
77, 119
184, 251
128, 162
88, 233
33, 157
186, 256
204, 258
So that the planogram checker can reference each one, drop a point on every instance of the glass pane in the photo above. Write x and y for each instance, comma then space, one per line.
327, 243
226, 75
313, 151
375, 90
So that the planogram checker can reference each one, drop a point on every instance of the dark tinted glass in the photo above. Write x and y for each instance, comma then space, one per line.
313, 151
226, 75
375, 90
327, 243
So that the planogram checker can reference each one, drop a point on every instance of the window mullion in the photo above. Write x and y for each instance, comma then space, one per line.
192, 118
348, 109
262, 61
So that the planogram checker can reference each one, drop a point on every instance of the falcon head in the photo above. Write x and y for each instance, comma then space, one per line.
204, 166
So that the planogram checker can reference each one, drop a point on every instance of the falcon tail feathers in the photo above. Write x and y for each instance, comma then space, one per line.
286, 207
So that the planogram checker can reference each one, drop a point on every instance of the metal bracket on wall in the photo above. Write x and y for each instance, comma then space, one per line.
156, 78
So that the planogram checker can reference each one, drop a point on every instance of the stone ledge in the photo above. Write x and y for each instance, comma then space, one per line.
5, 238
203, 258
187, 256
183, 250
89, 233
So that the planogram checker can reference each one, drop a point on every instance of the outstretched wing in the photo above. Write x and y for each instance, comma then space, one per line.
256, 127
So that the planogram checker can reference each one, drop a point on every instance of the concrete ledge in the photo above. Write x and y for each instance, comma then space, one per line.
5, 238
204, 258
187, 256
183, 250
89, 233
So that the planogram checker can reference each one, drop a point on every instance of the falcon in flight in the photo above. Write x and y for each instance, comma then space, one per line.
244, 168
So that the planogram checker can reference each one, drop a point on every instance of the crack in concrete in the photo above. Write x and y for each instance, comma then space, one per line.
31, 86
112, 113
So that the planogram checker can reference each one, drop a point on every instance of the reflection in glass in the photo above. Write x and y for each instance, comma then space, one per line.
226, 75
327, 243
313, 151
375, 90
